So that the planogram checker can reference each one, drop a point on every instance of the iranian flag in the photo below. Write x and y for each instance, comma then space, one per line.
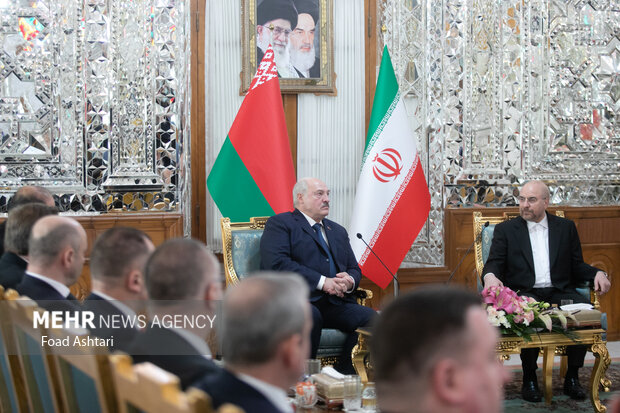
253, 174
392, 200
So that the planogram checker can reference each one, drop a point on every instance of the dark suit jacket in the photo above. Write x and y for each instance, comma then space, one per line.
224, 387
290, 244
123, 337
168, 350
2, 231
511, 259
12, 269
45, 295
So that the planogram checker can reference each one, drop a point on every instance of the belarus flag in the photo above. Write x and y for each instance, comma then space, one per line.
253, 174
392, 201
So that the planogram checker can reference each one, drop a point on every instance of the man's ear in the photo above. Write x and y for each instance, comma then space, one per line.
67, 256
290, 350
447, 382
134, 281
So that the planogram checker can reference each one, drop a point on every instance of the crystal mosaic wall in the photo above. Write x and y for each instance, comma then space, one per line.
94, 102
501, 92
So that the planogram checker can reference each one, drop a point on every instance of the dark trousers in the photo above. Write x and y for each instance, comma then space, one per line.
343, 316
575, 354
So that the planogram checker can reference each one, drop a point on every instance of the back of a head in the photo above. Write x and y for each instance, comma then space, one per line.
259, 313
413, 332
180, 269
19, 224
28, 194
118, 251
50, 235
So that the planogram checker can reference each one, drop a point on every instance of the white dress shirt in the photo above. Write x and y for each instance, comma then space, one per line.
539, 238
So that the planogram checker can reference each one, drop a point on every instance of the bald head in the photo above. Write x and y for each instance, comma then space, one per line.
27, 194
182, 269
57, 246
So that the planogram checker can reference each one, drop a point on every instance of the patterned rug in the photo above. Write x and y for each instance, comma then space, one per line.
560, 403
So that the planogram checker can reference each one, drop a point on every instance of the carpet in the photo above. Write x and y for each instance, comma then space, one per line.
560, 403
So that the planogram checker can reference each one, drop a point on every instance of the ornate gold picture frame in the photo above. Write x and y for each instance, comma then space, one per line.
271, 21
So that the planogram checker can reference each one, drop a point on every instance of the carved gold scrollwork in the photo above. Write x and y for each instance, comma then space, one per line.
601, 364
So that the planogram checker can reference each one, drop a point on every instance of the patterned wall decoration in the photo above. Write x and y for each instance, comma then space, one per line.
94, 99
501, 92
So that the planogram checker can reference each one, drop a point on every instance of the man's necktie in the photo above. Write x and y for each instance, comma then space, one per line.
330, 258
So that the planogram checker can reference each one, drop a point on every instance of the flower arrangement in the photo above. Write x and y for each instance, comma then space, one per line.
521, 315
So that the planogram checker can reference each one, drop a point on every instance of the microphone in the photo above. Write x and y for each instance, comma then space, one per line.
382, 263
486, 224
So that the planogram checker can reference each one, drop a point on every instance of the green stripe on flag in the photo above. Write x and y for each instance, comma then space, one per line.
384, 102
233, 189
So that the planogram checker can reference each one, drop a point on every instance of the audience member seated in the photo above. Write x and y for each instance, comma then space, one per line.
117, 263
266, 330
14, 261
433, 351
306, 242
25, 195
56, 256
183, 280
539, 255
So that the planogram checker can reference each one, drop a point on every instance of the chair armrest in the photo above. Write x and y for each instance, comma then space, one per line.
361, 295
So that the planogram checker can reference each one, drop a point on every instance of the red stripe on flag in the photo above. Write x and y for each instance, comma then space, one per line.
260, 138
400, 230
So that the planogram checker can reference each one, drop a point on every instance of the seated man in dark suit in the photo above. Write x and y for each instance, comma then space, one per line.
183, 280
305, 242
539, 255
117, 265
265, 335
56, 257
25, 195
13, 262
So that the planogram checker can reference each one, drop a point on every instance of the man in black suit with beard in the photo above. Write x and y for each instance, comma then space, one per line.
183, 282
56, 256
18, 226
539, 255
117, 265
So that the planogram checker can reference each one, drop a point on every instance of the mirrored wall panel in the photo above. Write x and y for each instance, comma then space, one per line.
501, 92
94, 102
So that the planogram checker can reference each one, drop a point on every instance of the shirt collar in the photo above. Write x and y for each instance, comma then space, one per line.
195, 341
310, 220
274, 394
58, 286
543, 223
122, 307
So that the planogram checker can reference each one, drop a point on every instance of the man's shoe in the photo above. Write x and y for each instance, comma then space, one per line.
530, 392
573, 389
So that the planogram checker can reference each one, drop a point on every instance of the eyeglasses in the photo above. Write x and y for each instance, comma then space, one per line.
530, 200
277, 30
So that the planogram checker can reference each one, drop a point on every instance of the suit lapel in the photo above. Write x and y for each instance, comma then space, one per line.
305, 225
523, 236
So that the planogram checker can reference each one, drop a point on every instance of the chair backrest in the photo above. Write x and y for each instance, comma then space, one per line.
241, 247
38, 366
147, 388
12, 391
482, 244
85, 373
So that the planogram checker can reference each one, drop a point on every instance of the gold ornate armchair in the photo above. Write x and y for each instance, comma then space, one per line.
241, 250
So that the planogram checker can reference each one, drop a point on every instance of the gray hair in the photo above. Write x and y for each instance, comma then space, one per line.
118, 251
180, 269
259, 313
45, 247
301, 187
19, 224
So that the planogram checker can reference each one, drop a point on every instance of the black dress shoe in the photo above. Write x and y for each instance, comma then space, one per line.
530, 392
573, 389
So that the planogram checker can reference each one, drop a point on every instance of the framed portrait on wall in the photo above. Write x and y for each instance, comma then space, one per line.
301, 34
